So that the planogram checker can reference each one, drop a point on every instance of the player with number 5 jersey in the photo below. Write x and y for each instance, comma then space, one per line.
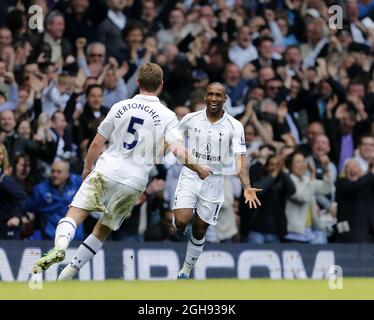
136, 130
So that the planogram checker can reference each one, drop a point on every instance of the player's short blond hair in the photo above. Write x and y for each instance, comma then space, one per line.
150, 77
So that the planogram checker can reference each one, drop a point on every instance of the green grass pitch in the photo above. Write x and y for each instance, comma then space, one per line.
191, 289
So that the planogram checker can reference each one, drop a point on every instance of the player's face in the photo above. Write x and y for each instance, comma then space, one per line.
215, 98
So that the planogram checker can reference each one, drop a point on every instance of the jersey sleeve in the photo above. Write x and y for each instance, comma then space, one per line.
106, 127
238, 141
183, 124
172, 134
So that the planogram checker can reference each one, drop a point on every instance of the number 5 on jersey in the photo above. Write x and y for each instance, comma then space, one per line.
131, 129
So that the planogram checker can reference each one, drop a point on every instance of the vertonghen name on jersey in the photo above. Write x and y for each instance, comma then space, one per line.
139, 106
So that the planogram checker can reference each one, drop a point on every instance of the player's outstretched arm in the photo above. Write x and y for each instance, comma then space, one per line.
94, 152
184, 157
249, 192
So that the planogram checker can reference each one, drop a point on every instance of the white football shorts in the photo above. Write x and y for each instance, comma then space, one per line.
205, 196
100, 193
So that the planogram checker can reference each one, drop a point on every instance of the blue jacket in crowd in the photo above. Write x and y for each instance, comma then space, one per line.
50, 205
12, 204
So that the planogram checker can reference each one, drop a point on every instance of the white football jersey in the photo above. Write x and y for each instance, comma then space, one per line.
213, 144
136, 129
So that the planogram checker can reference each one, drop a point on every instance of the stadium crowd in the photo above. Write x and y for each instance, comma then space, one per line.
303, 91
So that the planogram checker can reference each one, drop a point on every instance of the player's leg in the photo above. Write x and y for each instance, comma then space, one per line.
185, 200
65, 232
120, 200
88, 198
86, 251
182, 218
66, 227
194, 247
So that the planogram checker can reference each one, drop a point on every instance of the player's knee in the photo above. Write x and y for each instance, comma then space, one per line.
180, 224
199, 233
101, 232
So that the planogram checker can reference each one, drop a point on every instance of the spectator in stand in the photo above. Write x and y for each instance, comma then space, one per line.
177, 31
243, 51
12, 203
115, 88
93, 113
21, 173
268, 222
236, 89
80, 21
110, 29
50, 200
266, 54
314, 130
6, 38
150, 17
4, 159
53, 35
318, 162
96, 54
16, 144
344, 132
11, 102
358, 29
303, 220
288, 38
365, 152
354, 194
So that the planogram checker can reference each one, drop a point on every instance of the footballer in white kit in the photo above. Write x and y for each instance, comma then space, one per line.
135, 129
215, 139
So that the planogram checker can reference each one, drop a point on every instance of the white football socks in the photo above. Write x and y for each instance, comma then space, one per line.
85, 252
194, 249
65, 232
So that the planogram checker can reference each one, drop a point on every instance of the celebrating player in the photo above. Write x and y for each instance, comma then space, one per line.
212, 136
135, 129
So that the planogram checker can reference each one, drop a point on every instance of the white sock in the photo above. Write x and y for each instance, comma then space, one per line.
194, 249
65, 232
85, 252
